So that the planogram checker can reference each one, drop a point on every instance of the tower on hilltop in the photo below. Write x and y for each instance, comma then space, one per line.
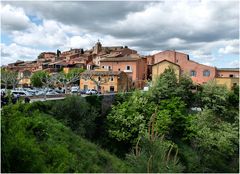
97, 48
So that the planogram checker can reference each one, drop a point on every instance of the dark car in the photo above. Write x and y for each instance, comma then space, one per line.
82, 91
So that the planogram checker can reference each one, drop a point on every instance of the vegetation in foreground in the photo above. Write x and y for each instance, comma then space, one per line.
156, 131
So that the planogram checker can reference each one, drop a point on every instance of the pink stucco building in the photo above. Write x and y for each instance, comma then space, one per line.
133, 65
227, 72
199, 73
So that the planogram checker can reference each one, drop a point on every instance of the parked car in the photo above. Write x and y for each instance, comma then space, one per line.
60, 90
74, 90
33, 91
83, 91
20, 93
52, 92
92, 91
40, 93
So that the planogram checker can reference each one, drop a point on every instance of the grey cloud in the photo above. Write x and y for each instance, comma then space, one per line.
4, 54
102, 18
85, 14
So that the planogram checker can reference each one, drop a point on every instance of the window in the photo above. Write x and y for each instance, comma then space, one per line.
119, 69
26, 73
111, 78
234, 85
111, 88
109, 67
103, 67
128, 67
206, 73
231, 75
99, 78
193, 73
85, 87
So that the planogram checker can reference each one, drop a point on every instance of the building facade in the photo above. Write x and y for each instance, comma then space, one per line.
133, 65
160, 67
227, 72
229, 82
198, 72
104, 81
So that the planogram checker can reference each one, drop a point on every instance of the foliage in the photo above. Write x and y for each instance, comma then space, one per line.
80, 120
190, 158
171, 117
127, 121
153, 154
66, 79
207, 140
214, 97
184, 90
40, 56
216, 140
41, 144
9, 77
168, 86
194, 141
5, 78
37, 78
233, 98
165, 86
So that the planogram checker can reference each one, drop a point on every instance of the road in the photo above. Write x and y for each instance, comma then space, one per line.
34, 99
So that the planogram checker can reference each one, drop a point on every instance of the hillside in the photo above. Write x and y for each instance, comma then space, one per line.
36, 142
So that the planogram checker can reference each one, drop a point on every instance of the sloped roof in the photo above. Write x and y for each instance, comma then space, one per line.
166, 61
228, 69
128, 58
101, 73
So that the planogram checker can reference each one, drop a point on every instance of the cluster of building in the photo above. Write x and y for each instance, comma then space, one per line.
119, 68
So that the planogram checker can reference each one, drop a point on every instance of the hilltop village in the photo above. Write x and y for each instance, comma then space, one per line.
119, 68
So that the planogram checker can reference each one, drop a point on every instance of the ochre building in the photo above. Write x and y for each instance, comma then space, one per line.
104, 81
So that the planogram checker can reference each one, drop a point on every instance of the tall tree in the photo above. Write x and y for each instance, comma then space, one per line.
165, 86
14, 79
10, 78
36, 78
66, 79
5, 77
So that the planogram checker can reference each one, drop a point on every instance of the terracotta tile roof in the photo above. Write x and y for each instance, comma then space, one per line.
228, 69
90, 63
166, 61
58, 63
121, 59
101, 73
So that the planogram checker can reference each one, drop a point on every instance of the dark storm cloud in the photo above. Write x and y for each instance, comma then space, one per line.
85, 14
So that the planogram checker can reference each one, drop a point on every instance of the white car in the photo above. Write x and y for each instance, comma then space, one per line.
40, 93
75, 90
91, 91
52, 92
20, 93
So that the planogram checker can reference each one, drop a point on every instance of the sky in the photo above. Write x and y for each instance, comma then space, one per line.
206, 30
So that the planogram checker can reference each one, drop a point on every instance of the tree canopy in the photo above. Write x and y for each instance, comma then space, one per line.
37, 79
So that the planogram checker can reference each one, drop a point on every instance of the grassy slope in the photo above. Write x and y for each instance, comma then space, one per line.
42, 144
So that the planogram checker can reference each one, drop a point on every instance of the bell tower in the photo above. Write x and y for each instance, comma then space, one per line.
97, 48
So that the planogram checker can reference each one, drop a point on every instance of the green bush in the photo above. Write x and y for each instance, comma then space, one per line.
76, 113
36, 142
